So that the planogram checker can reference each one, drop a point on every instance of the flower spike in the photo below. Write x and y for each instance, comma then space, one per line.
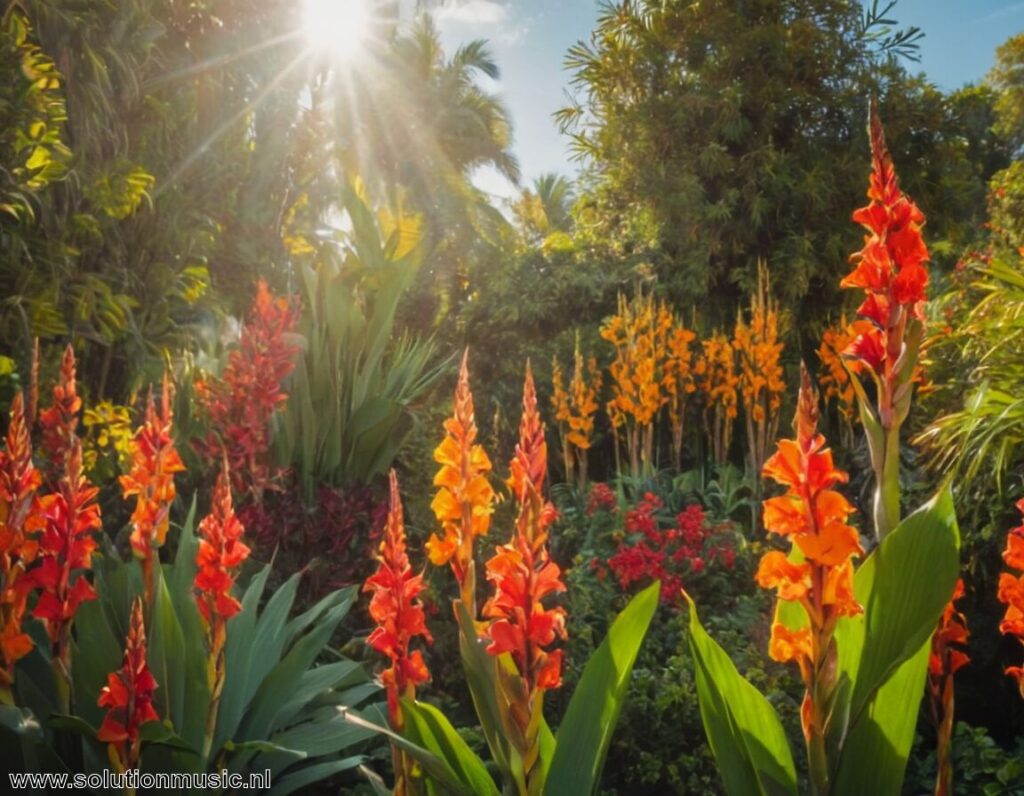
465, 499
151, 481
813, 516
1011, 594
128, 697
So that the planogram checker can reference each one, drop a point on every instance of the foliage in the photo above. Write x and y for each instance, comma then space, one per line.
705, 165
354, 386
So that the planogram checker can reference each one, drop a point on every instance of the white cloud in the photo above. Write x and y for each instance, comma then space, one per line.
473, 12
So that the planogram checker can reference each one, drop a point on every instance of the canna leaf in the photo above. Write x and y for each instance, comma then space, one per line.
586, 730
743, 729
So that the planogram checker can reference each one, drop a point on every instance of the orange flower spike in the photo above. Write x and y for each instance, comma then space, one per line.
1011, 593
151, 481
19, 482
813, 515
398, 612
60, 420
522, 575
221, 552
891, 271
128, 697
465, 498
70, 517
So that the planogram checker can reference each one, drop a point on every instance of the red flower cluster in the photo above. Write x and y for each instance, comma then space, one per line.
19, 481
890, 268
151, 480
221, 552
521, 571
398, 612
601, 498
240, 404
1011, 593
946, 659
69, 516
128, 695
652, 553
60, 420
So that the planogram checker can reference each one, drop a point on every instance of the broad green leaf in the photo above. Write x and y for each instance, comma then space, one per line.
586, 730
903, 585
743, 730
428, 726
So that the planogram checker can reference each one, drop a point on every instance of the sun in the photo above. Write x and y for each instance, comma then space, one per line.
339, 27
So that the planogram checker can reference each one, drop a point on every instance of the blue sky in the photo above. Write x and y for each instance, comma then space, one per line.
529, 39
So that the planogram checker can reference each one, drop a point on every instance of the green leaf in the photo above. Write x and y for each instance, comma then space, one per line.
586, 730
481, 677
743, 730
428, 726
307, 775
904, 586
433, 765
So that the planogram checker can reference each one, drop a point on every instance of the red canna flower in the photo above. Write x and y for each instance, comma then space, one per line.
151, 481
128, 696
521, 571
19, 517
221, 552
240, 404
944, 661
1011, 593
60, 420
398, 612
465, 499
891, 271
70, 517
813, 515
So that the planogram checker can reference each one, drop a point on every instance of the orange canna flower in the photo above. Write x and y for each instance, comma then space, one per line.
19, 518
221, 552
151, 481
1011, 593
833, 378
813, 516
70, 518
465, 498
128, 697
717, 379
521, 571
60, 420
398, 612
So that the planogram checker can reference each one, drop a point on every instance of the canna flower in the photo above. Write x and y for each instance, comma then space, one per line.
833, 376
944, 662
575, 410
19, 516
60, 420
678, 382
241, 403
1011, 594
465, 499
70, 518
398, 612
891, 271
717, 379
128, 697
813, 516
151, 481
221, 553
521, 571
523, 575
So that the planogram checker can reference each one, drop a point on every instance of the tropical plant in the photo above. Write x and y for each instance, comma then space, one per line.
506, 654
352, 392
862, 639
